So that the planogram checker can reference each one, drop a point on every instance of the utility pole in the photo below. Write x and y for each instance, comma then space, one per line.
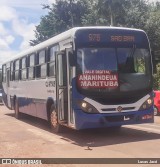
71, 13
111, 12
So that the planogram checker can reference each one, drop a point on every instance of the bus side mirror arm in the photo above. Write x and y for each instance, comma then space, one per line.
72, 58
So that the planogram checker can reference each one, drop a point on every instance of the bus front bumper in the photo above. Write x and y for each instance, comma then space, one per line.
84, 120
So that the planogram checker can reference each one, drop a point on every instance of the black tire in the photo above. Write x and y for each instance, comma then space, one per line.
53, 121
16, 110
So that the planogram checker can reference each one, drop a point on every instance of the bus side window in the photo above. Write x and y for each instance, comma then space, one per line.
16, 70
4, 73
12, 71
41, 65
31, 68
51, 61
23, 71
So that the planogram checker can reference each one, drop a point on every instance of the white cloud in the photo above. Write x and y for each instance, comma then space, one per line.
3, 30
154, 0
16, 26
51, 1
6, 55
25, 30
8, 13
3, 45
23, 3
5, 39
26, 39
5, 42
9, 39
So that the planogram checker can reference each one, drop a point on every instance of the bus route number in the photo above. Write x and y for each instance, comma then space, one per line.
94, 37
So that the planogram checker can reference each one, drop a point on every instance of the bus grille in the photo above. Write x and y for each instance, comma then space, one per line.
115, 109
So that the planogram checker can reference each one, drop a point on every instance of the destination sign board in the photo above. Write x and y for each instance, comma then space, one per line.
98, 79
111, 38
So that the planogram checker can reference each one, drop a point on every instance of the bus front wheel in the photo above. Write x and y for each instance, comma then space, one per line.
55, 126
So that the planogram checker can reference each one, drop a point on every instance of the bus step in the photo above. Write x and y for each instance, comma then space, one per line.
63, 122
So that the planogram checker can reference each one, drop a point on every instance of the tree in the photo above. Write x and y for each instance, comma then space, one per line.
137, 12
112, 11
62, 15
152, 26
91, 17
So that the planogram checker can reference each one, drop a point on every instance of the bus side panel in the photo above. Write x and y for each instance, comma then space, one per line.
33, 94
27, 106
22, 105
41, 111
33, 107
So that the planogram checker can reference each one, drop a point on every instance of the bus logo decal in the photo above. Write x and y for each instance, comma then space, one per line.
119, 108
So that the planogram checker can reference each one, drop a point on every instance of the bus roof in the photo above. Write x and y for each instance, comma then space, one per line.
61, 37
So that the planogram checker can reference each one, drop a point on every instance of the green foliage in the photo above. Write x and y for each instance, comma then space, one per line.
152, 27
136, 13
140, 65
62, 15
112, 11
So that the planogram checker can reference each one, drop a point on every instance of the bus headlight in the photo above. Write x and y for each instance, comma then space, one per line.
86, 107
147, 104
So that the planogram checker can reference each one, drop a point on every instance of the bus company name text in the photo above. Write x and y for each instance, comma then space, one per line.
21, 161
50, 83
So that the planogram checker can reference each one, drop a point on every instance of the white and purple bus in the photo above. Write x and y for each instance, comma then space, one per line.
86, 77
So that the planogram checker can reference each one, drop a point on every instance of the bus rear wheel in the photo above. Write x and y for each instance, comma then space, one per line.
16, 110
54, 124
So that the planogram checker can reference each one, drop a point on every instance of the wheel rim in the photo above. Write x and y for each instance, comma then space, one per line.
54, 121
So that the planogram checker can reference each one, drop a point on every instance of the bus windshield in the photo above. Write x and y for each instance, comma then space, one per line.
113, 69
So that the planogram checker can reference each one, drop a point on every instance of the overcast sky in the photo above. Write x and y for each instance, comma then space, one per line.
18, 19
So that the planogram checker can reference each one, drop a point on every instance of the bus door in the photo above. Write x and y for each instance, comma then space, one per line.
8, 87
64, 90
